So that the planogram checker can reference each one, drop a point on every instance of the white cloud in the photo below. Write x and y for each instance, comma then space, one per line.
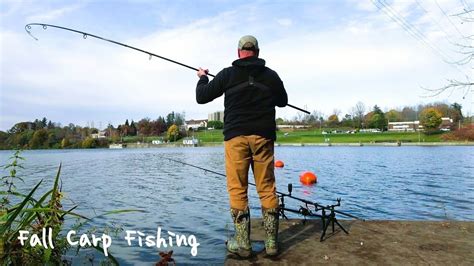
365, 5
49, 15
285, 22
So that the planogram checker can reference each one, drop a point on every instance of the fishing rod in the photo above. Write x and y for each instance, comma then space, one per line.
150, 54
327, 213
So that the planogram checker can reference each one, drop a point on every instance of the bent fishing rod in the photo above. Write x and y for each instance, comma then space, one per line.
150, 54
304, 211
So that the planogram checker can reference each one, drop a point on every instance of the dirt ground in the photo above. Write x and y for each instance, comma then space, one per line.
368, 243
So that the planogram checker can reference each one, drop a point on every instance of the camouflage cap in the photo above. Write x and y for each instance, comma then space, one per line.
248, 42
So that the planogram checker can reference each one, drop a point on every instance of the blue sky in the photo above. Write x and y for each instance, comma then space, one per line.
329, 54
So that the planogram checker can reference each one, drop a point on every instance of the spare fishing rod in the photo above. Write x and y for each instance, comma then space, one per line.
326, 213
150, 54
290, 188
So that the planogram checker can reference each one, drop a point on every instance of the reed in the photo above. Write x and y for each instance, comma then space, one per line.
32, 212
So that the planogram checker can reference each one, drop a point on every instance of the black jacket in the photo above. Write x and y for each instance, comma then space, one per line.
251, 93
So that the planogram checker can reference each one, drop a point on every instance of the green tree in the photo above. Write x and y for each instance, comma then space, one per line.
3, 139
133, 129
52, 140
393, 116
347, 121
65, 143
215, 124
430, 118
170, 119
333, 120
179, 119
39, 139
21, 127
44, 122
173, 133
455, 112
175, 118
89, 143
21, 140
377, 120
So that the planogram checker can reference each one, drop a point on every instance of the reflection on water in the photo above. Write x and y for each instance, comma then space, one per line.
397, 183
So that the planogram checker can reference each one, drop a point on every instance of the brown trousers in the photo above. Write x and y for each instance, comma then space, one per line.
241, 153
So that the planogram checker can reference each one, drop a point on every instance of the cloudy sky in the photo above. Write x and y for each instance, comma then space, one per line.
329, 54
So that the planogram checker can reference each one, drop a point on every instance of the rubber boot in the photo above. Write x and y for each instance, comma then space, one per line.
240, 243
270, 225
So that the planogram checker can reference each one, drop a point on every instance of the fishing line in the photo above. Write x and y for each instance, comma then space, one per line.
150, 54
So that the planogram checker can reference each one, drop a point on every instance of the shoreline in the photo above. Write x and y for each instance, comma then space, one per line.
279, 144
382, 144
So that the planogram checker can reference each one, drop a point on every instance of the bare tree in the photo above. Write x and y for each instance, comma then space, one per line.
466, 50
358, 113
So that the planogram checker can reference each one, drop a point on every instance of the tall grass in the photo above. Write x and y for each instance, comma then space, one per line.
32, 212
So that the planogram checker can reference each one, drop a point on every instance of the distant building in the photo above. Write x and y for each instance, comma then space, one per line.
292, 126
99, 135
446, 123
410, 126
195, 124
407, 126
216, 116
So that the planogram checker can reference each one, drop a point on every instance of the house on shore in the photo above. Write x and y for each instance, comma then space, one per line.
99, 135
195, 124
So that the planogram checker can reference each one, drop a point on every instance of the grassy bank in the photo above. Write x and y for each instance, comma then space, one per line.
210, 137
316, 136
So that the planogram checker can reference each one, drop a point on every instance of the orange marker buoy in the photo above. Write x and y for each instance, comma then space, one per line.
279, 164
308, 178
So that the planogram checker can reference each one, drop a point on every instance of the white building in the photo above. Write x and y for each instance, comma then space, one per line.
292, 126
404, 126
195, 124
99, 135
411, 126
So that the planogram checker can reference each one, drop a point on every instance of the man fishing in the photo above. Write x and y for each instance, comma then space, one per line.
252, 91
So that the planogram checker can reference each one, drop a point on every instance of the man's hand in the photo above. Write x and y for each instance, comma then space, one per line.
202, 72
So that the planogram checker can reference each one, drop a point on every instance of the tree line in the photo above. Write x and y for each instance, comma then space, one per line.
45, 134
360, 116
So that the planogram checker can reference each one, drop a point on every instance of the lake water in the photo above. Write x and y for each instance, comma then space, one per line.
390, 183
